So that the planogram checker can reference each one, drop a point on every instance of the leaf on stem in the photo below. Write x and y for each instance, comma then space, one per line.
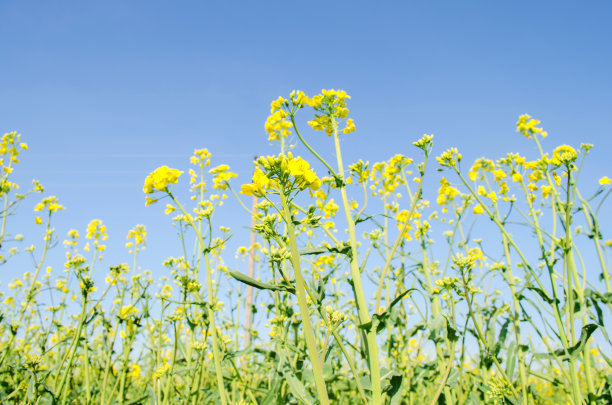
260, 284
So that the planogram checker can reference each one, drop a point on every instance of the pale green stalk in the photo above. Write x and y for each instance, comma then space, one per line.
211, 305
362, 306
70, 353
480, 334
516, 307
29, 296
311, 345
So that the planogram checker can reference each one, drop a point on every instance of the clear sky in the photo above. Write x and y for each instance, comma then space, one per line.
104, 92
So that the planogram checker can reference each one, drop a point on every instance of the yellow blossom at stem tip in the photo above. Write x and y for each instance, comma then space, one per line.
160, 178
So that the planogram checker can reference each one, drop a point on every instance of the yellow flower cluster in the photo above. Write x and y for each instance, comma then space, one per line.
96, 231
334, 316
260, 183
305, 177
449, 158
401, 219
159, 180
9, 146
446, 193
221, 175
331, 104
281, 169
564, 155
136, 237
527, 126
360, 170
388, 175
277, 125
50, 203
200, 156
350, 126
127, 310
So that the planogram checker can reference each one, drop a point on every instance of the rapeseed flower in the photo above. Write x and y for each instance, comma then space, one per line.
449, 158
221, 175
563, 155
258, 186
160, 178
49, 203
527, 126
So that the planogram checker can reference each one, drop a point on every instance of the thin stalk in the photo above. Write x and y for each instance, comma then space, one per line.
516, 307
211, 304
71, 352
481, 337
249, 297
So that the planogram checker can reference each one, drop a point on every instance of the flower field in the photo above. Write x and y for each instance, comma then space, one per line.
355, 288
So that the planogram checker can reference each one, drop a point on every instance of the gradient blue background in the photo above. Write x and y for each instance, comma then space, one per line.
106, 91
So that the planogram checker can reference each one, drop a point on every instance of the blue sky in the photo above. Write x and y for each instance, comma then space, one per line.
104, 92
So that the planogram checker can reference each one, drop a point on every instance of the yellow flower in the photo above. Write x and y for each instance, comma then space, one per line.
127, 310
446, 193
449, 158
169, 208
304, 175
134, 371
546, 191
277, 126
332, 103
96, 230
298, 166
160, 178
604, 181
221, 175
258, 186
527, 126
478, 209
350, 126
49, 203
563, 154
138, 234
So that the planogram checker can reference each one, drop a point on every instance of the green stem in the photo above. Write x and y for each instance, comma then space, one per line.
362, 307
211, 304
71, 352
311, 344
331, 171
480, 334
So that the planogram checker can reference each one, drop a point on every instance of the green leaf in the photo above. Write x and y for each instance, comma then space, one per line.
270, 398
343, 248
542, 294
453, 379
393, 389
379, 320
358, 219
260, 284
511, 359
574, 351
295, 385
473, 399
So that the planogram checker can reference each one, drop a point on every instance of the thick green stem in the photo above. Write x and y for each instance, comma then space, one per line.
362, 307
311, 345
